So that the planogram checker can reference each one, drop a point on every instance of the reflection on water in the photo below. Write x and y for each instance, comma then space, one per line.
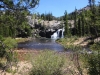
41, 44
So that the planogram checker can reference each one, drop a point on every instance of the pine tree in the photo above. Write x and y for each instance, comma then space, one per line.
83, 23
98, 19
87, 22
75, 21
66, 33
1, 30
79, 29
93, 26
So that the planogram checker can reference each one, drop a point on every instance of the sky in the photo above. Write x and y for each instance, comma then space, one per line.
58, 7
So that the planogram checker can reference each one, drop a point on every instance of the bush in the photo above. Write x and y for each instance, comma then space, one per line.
95, 46
94, 60
2, 50
6, 50
94, 64
1, 37
10, 43
47, 63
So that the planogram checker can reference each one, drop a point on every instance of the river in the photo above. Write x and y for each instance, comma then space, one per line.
41, 44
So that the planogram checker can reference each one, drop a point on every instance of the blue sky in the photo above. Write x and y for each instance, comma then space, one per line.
58, 7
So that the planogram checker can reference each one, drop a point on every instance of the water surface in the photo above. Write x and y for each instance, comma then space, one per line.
41, 44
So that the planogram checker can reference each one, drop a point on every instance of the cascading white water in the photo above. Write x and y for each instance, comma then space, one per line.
54, 36
63, 32
58, 34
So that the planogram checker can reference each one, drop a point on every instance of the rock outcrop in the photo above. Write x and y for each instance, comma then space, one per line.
45, 28
47, 24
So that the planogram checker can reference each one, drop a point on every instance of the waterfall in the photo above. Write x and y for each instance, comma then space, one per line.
54, 36
58, 34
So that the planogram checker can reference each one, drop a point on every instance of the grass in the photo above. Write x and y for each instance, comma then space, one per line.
47, 63
54, 63
19, 40
68, 43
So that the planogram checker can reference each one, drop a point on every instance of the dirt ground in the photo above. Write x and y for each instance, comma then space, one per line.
23, 68
23, 65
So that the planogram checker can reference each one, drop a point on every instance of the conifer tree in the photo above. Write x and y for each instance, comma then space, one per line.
93, 18
98, 19
83, 23
66, 33
75, 21
79, 30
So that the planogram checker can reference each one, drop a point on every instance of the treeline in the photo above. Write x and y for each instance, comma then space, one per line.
45, 16
14, 24
13, 21
86, 22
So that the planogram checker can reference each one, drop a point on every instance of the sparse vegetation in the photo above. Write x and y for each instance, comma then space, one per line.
69, 42
47, 63
19, 40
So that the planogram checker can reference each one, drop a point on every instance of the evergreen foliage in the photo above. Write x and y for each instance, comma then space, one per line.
13, 23
66, 33
86, 22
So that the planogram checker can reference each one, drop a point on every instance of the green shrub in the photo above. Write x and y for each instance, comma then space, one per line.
1, 37
47, 63
10, 43
94, 64
95, 46
94, 60
6, 48
7, 52
2, 51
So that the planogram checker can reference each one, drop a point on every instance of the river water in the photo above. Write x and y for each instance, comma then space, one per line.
41, 44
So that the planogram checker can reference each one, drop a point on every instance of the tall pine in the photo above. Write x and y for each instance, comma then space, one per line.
66, 33
75, 21
83, 23
79, 27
